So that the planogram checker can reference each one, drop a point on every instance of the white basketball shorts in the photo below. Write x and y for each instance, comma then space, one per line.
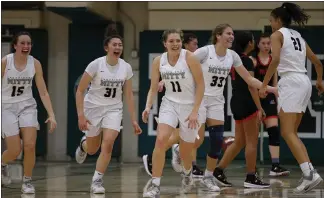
295, 90
172, 113
18, 115
103, 117
214, 106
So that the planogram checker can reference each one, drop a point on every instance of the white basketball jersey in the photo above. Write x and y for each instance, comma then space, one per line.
215, 71
17, 85
293, 52
178, 81
107, 83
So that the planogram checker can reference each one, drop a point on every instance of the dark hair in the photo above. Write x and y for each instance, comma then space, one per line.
171, 31
189, 37
241, 41
219, 31
111, 32
263, 35
289, 12
16, 38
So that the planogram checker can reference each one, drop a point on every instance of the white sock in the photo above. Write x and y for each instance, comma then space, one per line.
97, 175
311, 166
305, 167
156, 180
208, 173
187, 172
25, 179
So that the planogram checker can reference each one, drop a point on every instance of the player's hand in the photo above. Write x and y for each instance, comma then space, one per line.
320, 87
83, 123
273, 90
161, 86
193, 120
137, 128
261, 115
145, 115
52, 122
263, 92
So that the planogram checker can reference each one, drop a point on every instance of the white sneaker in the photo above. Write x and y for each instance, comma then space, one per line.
27, 188
308, 182
5, 175
80, 155
187, 182
210, 183
176, 160
151, 190
96, 187
147, 165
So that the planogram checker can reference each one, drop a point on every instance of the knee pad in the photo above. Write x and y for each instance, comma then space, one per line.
216, 134
274, 136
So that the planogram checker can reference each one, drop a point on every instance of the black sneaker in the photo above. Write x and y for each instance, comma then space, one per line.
253, 181
147, 161
220, 178
277, 170
196, 172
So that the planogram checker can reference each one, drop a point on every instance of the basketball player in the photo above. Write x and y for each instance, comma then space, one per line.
100, 112
184, 82
269, 104
19, 108
288, 53
247, 112
191, 44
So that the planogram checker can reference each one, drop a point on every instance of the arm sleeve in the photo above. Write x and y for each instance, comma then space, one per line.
236, 59
201, 54
92, 68
129, 72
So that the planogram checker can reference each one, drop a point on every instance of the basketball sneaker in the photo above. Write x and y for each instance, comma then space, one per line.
27, 187
80, 154
147, 161
277, 170
176, 160
308, 183
253, 181
5, 175
220, 178
97, 186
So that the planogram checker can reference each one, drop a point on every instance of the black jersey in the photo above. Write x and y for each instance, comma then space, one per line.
261, 69
239, 87
242, 103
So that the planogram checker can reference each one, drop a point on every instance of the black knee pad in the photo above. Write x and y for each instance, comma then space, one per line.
274, 136
216, 135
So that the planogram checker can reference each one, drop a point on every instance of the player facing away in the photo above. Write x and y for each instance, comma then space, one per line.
247, 112
19, 108
269, 104
289, 51
100, 111
190, 42
184, 84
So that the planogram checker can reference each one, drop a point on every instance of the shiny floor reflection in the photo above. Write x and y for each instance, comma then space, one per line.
61, 180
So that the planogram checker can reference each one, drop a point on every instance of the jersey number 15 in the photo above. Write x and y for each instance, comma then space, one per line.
17, 91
